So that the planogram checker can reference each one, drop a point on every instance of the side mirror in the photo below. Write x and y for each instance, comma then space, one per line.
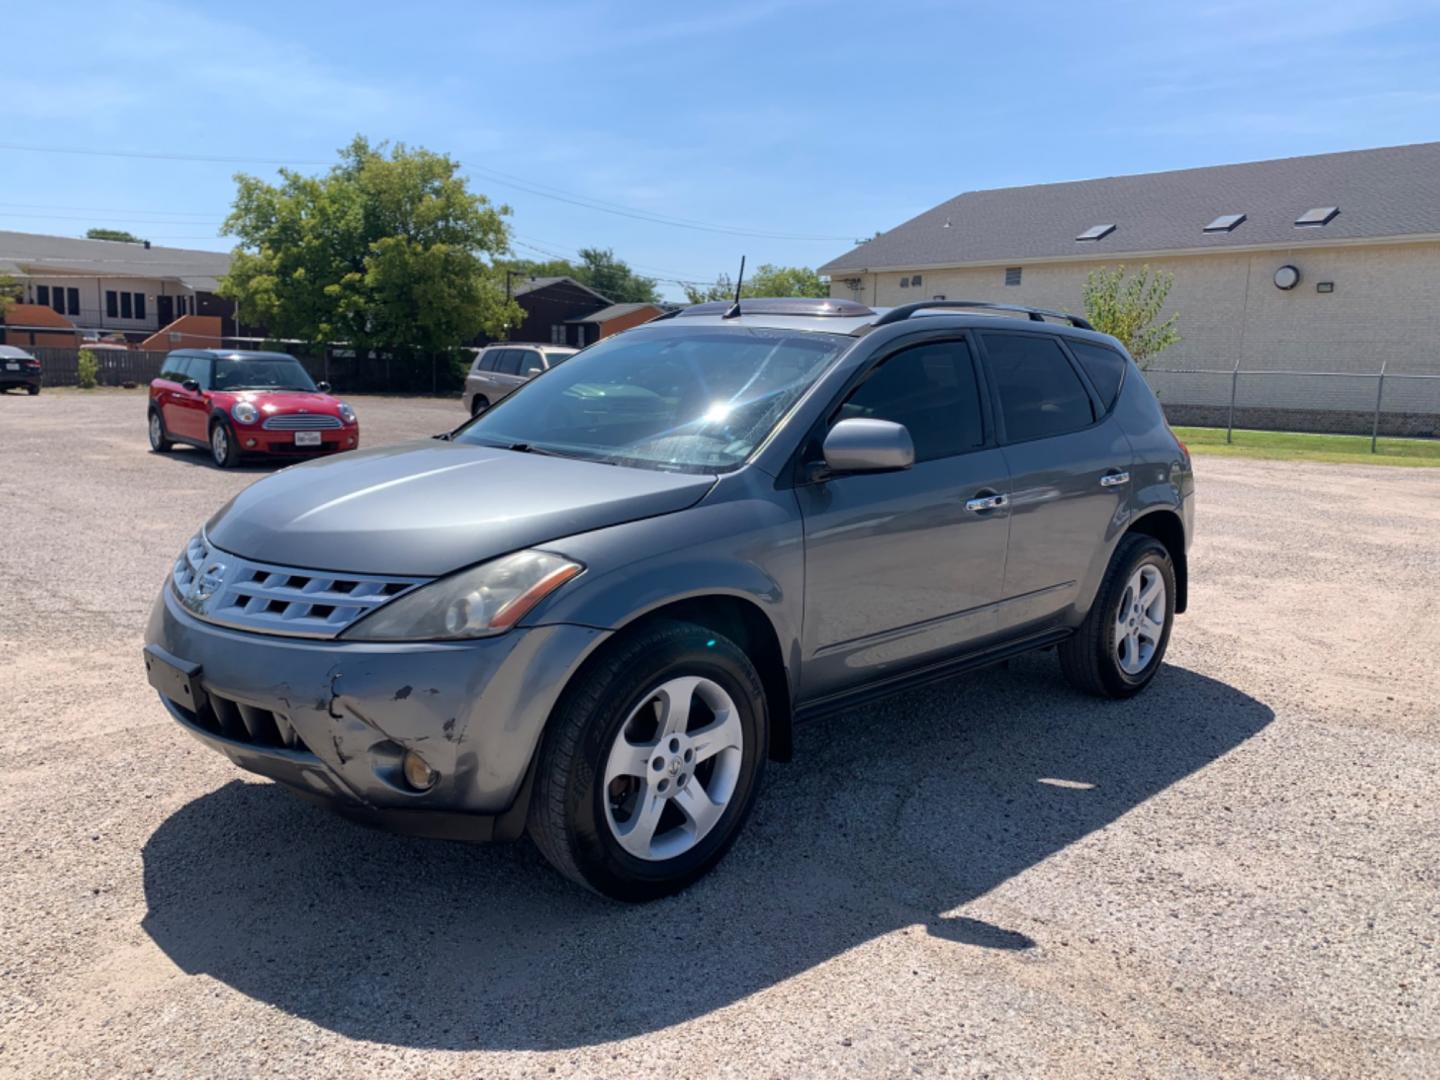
856, 446
323, 387
191, 385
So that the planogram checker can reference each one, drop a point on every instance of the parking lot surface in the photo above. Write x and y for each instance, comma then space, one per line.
1237, 873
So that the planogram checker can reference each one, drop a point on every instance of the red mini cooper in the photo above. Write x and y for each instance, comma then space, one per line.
235, 403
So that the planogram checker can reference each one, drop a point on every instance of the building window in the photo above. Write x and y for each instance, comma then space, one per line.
904, 283
112, 303
1012, 275
57, 300
139, 305
42, 295
915, 281
127, 308
72, 300
557, 334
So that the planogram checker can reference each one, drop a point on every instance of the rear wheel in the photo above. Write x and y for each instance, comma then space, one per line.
478, 405
158, 441
1119, 647
651, 763
222, 445
33, 388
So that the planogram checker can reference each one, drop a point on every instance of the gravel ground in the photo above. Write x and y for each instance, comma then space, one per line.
1238, 873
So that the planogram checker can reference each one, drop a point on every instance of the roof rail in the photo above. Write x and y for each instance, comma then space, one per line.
904, 311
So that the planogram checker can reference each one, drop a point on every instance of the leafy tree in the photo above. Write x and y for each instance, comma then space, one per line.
113, 234
1126, 307
87, 370
599, 269
383, 252
768, 280
10, 292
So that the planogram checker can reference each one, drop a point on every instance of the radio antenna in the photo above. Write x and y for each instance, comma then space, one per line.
734, 311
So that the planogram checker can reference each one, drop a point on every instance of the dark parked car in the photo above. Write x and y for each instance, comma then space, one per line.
19, 368
594, 611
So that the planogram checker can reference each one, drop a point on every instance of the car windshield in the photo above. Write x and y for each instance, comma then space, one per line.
666, 397
261, 373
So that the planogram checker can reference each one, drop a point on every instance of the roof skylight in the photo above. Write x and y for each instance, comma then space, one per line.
1225, 223
1096, 232
1314, 218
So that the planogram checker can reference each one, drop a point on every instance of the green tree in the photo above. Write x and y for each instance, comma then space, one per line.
113, 234
385, 251
612, 277
10, 292
768, 280
1126, 306
87, 370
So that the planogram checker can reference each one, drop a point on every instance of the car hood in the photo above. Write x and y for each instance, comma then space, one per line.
287, 401
427, 508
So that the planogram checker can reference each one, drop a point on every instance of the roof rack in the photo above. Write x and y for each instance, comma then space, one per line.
904, 311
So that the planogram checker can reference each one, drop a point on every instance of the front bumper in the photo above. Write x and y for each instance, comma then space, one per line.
256, 440
332, 719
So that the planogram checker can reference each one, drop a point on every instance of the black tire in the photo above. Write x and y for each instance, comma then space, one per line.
231, 453
160, 442
478, 405
33, 389
1089, 659
568, 818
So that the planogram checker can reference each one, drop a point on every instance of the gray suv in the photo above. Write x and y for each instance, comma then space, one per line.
593, 612
499, 369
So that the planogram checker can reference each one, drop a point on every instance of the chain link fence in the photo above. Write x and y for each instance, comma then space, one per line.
1391, 400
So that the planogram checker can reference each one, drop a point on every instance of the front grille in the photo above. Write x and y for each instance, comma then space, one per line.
301, 422
224, 588
244, 723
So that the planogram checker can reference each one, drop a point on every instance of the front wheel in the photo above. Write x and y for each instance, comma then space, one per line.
1119, 647
222, 446
158, 441
651, 763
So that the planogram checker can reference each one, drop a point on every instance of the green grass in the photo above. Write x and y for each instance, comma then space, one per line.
1291, 446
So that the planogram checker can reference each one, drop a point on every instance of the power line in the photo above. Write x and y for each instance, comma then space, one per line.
530, 186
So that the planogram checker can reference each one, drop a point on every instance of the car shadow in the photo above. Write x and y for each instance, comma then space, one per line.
891, 816
195, 456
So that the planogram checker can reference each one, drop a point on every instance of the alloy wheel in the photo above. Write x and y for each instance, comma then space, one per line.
1140, 620
673, 768
219, 444
156, 435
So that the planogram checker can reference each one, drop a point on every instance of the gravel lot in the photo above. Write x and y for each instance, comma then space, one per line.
1238, 873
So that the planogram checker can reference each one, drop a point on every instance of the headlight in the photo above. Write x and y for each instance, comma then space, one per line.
347, 413
244, 412
484, 600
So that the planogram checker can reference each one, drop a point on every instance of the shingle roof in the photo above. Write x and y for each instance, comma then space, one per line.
527, 285
614, 311
66, 254
1393, 191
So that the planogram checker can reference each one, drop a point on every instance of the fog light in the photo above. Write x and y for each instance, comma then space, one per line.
418, 773
250, 443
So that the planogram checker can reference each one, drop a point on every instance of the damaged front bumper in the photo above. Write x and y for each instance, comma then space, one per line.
333, 719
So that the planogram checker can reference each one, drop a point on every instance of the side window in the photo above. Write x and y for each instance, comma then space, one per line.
199, 370
508, 363
1105, 367
530, 362
931, 389
1040, 394
487, 360
177, 368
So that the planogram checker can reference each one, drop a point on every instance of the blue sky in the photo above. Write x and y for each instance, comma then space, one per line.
810, 123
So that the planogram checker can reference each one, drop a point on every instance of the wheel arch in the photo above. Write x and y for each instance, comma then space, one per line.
1165, 526
744, 622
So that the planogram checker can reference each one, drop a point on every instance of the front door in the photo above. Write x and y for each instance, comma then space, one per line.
1069, 466
165, 310
904, 567
192, 411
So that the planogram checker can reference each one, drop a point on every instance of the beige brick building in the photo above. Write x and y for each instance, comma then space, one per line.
1365, 288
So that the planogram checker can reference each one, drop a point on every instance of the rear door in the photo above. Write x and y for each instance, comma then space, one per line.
903, 568
1069, 466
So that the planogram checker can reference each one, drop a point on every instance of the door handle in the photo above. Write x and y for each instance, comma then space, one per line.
981, 503
1114, 479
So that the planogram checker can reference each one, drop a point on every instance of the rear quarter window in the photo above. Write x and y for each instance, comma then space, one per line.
1104, 367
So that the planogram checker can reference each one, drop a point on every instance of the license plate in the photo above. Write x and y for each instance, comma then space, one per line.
307, 438
175, 678
12, 367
